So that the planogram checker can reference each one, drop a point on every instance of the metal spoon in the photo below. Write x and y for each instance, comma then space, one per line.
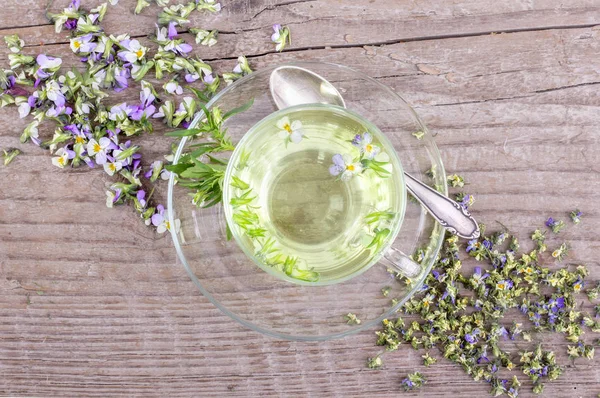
293, 85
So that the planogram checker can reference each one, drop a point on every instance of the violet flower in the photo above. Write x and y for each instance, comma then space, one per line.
83, 44
364, 143
54, 93
48, 66
345, 166
121, 76
70, 24
133, 51
172, 31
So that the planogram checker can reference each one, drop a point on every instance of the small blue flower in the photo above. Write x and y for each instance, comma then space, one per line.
550, 222
473, 244
345, 166
365, 145
478, 277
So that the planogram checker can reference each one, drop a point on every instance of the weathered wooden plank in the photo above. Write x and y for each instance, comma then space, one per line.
246, 25
118, 316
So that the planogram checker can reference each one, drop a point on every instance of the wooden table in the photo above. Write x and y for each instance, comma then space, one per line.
92, 303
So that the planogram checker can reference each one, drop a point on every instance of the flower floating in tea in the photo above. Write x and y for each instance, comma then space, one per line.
365, 143
290, 131
345, 166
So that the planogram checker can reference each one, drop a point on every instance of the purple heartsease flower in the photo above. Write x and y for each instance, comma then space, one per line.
550, 222
141, 112
487, 244
32, 101
472, 245
121, 76
89, 162
158, 217
117, 195
190, 78
172, 32
141, 194
74, 6
356, 141
70, 24
466, 201
208, 78
338, 165
472, 337
48, 62
276, 29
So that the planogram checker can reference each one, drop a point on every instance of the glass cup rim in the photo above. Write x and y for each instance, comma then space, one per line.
265, 330
386, 144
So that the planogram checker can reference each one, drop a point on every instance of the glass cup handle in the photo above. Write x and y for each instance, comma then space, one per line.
401, 263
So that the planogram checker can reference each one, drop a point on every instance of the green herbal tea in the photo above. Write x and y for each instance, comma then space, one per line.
314, 193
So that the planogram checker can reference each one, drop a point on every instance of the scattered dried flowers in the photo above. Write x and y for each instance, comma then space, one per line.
413, 381
576, 216
463, 315
555, 225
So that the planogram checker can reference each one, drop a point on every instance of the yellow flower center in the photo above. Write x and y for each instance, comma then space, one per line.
79, 139
77, 44
97, 147
139, 53
287, 128
112, 167
168, 225
61, 161
350, 167
501, 286
369, 147
528, 270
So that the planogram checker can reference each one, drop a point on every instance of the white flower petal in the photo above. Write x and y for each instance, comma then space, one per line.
283, 134
24, 110
108, 169
347, 159
130, 56
281, 123
296, 136
296, 125
346, 175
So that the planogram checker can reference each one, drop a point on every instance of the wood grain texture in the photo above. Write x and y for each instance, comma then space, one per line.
517, 113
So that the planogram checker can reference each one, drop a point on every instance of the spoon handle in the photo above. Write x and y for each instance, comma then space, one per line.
447, 212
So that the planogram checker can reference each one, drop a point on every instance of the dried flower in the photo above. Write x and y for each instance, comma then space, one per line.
561, 252
456, 181
555, 225
428, 360
374, 363
413, 381
10, 154
576, 216
352, 319
419, 134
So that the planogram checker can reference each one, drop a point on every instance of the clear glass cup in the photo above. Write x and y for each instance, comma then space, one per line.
267, 303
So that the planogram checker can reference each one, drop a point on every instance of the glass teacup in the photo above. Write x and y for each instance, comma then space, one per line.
315, 194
